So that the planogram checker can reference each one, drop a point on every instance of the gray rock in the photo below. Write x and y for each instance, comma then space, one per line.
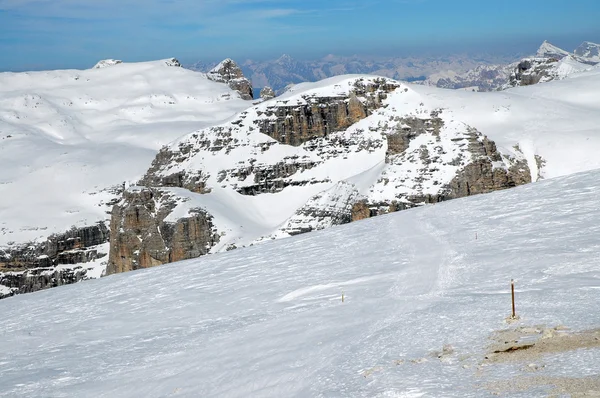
142, 238
230, 73
267, 93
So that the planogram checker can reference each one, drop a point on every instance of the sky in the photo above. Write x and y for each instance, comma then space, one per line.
49, 34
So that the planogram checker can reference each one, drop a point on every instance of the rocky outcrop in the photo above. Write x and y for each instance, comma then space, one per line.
332, 207
295, 124
230, 73
58, 261
142, 236
267, 93
483, 175
57, 249
421, 150
349, 146
39, 279
532, 71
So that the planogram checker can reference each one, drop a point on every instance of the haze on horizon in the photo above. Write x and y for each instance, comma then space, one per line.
50, 34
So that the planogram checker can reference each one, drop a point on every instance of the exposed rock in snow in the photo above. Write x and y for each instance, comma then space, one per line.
68, 140
267, 93
142, 238
229, 72
173, 62
541, 70
62, 259
106, 63
342, 144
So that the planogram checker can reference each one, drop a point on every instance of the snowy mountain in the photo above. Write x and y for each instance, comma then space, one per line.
68, 140
345, 149
549, 63
549, 50
323, 154
286, 70
412, 304
589, 51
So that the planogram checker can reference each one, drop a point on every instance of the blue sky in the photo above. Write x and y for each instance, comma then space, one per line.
38, 34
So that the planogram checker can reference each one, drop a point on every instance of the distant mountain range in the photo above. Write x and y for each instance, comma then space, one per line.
285, 70
474, 73
549, 63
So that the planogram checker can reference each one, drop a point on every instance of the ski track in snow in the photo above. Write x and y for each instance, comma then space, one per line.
268, 320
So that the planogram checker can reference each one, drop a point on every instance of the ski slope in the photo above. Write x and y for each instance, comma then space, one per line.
69, 138
269, 320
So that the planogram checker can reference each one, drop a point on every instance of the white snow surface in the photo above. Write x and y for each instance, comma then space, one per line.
68, 136
269, 321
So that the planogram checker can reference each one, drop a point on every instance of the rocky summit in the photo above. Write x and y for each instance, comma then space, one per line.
229, 72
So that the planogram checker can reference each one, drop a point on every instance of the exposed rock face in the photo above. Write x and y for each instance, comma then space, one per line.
532, 71
419, 149
173, 62
143, 237
348, 146
229, 72
267, 93
58, 249
332, 207
39, 278
38, 266
294, 125
482, 176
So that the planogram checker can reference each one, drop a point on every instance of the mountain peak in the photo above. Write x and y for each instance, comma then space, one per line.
589, 50
227, 71
106, 63
285, 59
549, 50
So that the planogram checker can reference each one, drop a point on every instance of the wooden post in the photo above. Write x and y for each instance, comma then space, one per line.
512, 290
342, 297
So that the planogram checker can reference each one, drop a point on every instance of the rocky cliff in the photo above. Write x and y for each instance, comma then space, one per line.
62, 259
230, 73
142, 237
320, 155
